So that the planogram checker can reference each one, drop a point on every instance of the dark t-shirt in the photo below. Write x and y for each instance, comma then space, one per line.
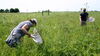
84, 16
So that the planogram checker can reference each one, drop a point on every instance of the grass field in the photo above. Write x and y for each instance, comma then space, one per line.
61, 32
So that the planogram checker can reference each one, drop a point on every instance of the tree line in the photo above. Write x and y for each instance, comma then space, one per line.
11, 10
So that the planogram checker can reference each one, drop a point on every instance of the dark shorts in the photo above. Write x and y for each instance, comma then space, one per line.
83, 23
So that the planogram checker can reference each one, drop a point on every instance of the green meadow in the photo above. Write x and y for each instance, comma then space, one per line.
61, 32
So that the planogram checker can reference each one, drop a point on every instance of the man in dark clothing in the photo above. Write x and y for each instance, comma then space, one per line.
83, 17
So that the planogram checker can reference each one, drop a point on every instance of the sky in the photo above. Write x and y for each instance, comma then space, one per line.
52, 5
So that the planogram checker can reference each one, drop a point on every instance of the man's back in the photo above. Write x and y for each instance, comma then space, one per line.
23, 23
84, 16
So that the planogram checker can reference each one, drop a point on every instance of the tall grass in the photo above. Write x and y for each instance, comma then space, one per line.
61, 32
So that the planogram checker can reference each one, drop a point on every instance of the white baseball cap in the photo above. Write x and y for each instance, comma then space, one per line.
34, 20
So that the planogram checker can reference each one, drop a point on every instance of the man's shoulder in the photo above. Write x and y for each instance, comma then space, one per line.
28, 23
81, 13
86, 13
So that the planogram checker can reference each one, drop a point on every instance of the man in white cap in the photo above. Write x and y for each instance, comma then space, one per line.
19, 31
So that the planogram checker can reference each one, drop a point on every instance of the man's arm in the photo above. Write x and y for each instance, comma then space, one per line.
25, 31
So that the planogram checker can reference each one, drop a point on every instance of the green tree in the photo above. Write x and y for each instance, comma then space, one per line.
7, 10
1, 10
16, 10
12, 10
